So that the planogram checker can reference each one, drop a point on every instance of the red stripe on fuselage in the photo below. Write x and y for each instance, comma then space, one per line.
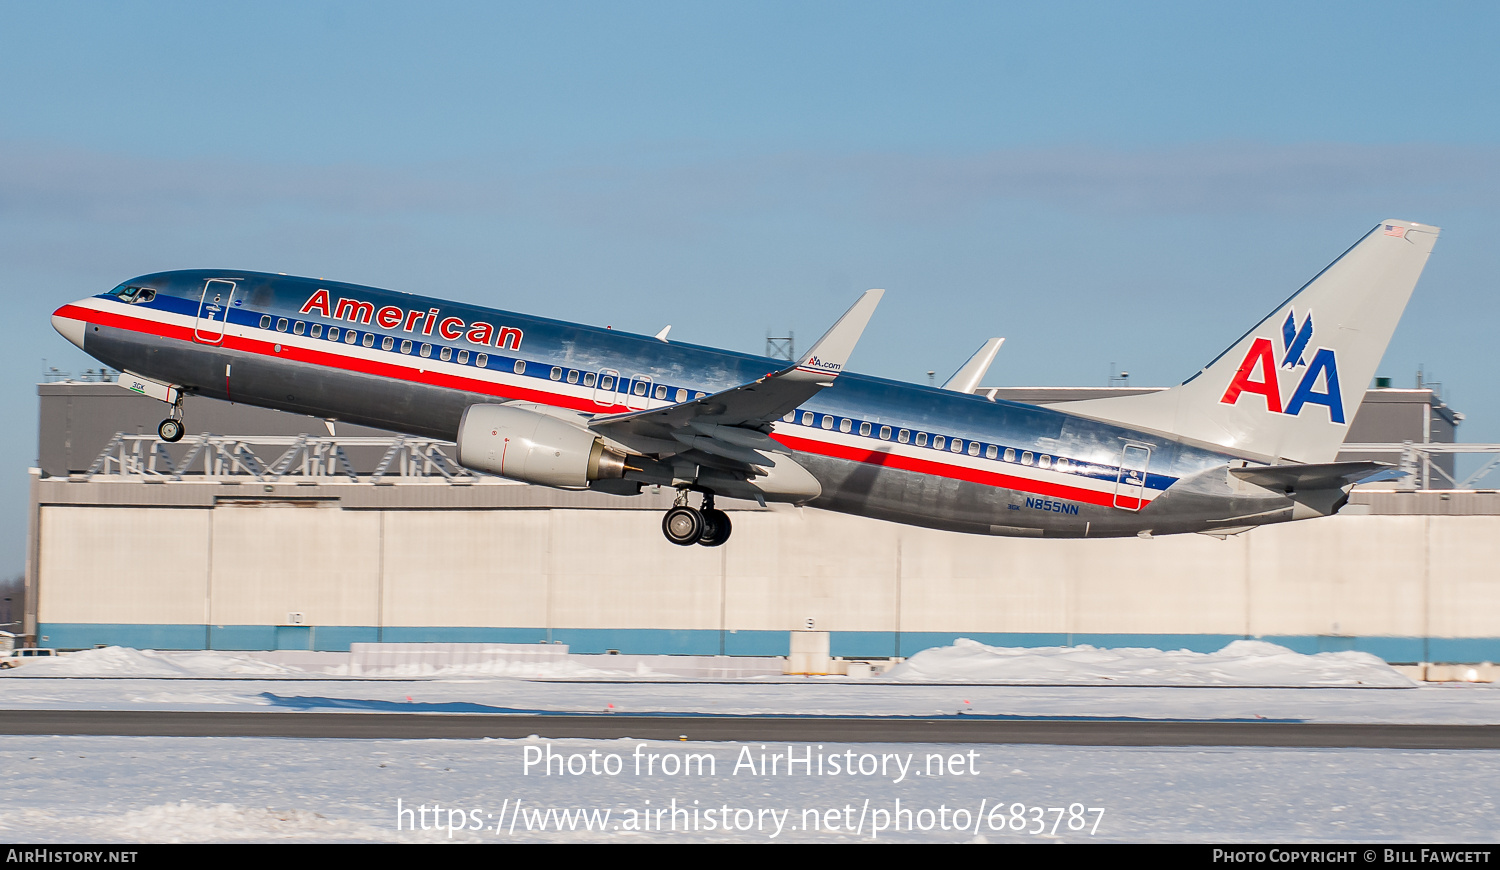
940, 469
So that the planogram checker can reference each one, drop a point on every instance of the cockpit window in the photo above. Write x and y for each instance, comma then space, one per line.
127, 293
124, 291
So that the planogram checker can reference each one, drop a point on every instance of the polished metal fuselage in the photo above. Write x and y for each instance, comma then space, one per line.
1019, 470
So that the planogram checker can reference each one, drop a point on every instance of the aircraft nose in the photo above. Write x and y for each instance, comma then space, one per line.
69, 323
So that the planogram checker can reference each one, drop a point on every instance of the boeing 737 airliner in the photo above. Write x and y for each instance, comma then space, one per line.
1250, 439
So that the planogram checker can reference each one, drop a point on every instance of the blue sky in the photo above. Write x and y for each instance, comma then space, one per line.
1128, 183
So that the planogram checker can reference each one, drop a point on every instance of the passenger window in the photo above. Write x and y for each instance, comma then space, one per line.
1026, 458
864, 428
699, 395
957, 446
387, 343
520, 366
903, 436
846, 424
588, 379
791, 417
1010, 454
973, 448
572, 376
607, 382
281, 324
463, 357
1044, 461
426, 350
369, 340
555, 374
265, 321
807, 418
991, 452
445, 354
921, 439
938, 441
885, 433
483, 361
350, 336
1064, 466
827, 421
661, 391
682, 396
639, 389
298, 327
406, 345
317, 330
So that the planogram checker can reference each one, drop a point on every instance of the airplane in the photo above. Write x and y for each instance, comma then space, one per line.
1249, 439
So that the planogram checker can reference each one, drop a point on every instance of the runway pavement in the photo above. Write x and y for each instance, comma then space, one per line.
808, 729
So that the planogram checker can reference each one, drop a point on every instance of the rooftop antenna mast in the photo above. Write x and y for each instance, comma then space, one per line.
781, 347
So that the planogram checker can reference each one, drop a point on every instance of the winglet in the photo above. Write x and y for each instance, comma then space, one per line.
967, 378
831, 352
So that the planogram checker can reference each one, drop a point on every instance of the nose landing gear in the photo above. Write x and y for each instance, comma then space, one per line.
685, 526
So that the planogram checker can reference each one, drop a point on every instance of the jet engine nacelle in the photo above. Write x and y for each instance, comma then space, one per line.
534, 448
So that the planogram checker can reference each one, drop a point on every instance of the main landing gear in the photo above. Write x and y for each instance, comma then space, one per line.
686, 526
170, 430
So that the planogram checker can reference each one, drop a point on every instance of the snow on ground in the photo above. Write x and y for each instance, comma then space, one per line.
1230, 684
164, 789
1241, 663
1439, 704
117, 661
122, 661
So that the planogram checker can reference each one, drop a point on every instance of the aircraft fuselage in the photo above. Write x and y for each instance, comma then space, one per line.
877, 448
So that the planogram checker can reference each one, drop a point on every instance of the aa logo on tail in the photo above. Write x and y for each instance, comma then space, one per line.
1259, 373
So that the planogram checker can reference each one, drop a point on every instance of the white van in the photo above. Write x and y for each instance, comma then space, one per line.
22, 656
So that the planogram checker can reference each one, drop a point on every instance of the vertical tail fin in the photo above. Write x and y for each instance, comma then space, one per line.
1288, 389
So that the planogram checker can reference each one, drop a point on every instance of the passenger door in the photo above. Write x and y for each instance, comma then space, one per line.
213, 311
1130, 483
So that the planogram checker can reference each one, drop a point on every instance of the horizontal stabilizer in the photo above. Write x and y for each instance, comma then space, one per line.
1327, 475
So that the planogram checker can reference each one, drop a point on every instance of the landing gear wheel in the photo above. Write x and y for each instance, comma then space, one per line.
716, 528
170, 430
683, 526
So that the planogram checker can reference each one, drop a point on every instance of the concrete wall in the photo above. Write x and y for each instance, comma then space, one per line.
228, 573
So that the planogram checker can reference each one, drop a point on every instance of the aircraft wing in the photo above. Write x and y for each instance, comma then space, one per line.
730, 424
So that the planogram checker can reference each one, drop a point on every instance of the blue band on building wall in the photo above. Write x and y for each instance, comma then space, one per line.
642, 641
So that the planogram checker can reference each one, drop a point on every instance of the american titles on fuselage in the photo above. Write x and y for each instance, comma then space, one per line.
424, 321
